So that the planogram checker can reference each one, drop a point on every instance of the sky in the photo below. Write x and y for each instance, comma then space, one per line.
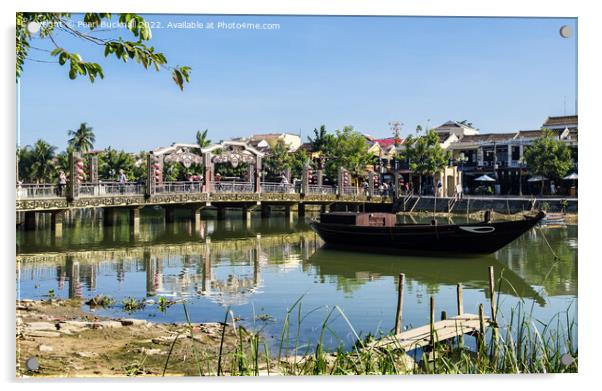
501, 74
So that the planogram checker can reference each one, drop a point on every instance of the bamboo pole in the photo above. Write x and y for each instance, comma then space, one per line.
432, 321
399, 313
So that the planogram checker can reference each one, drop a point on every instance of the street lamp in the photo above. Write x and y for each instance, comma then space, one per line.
521, 163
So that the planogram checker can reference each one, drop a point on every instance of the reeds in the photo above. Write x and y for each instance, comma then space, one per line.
522, 345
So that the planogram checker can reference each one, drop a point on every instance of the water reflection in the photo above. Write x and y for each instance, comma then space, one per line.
268, 264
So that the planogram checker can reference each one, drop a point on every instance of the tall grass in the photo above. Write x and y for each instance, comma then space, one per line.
523, 345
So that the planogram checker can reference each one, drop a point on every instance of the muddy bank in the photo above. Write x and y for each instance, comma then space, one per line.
69, 342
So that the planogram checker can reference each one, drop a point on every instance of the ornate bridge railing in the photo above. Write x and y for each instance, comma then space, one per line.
233, 187
276, 187
313, 189
110, 188
38, 190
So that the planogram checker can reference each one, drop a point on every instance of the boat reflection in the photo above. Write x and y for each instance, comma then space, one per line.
355, 268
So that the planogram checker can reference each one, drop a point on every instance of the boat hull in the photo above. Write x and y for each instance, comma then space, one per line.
478, 238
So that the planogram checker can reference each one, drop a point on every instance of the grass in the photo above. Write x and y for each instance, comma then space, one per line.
523, 345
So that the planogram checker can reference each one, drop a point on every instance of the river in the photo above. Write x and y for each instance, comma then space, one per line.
261, 268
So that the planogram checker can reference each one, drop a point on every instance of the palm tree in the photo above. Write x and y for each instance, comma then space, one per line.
319, 139
42, 166
82, 139
201, 138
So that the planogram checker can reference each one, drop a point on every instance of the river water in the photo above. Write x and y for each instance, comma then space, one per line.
265, 267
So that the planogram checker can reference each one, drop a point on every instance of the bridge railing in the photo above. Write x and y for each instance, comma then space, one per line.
351, 190
179, 187
110, 188
277, 187
39, 190
314, 189
233, 187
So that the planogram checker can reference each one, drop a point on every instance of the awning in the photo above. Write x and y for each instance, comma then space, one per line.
485, 178
571, 176
537, 178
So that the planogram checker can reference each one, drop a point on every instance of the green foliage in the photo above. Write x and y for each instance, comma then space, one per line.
298, 159
201, 138
82, 139
37, 163
320, 139
548, 156
348, 149
122, 49
425, 154
173, 171
110, 161
131, 304
279, 159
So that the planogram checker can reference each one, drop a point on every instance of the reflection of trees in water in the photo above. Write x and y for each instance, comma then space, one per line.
532, 257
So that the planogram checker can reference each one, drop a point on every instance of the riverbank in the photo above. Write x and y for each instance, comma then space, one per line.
68, 342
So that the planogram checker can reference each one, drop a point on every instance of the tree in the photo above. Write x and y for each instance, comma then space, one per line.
425, 155
41, 162
279, 159
347, 149
319, 140
82, 139
201, 138
111, 161
548, 156
298, 160
51, 23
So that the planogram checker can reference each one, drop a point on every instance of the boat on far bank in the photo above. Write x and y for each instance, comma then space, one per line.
380, 232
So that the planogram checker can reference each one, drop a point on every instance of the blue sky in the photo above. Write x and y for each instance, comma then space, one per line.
502, 74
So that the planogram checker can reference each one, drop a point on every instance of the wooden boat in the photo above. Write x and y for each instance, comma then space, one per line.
553, 219
380, 232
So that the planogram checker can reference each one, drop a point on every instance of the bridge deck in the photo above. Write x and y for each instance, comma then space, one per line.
443, 330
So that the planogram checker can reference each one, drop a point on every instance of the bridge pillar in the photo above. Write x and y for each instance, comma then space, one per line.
301, 210
288, 213
196, 216
134, 222
221, 213
30, 221
108, 217
324, 208
266, 210
56, 222
170, 214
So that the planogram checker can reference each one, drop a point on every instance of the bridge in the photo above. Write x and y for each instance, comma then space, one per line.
33, 199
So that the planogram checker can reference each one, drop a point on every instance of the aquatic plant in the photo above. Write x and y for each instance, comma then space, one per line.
131, 304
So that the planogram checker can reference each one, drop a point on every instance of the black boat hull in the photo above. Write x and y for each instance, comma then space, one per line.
477, 238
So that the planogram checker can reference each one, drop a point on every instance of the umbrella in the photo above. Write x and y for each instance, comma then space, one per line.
485, 178
537, 178
572, 176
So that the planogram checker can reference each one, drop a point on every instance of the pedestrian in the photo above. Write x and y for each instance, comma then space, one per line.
381, 189
122, 180
283, 182
218, 183
62, 183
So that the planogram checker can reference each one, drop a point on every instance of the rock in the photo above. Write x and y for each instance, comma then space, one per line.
45, 348
86, 354
163, 340
42, 333
134, 322
110, 324
40, 326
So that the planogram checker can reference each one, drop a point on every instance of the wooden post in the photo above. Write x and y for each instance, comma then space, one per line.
460, 299
399, 313
481, 336
443, 315
432, 322
492, 294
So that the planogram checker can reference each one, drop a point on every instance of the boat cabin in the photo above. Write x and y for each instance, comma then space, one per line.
359, 219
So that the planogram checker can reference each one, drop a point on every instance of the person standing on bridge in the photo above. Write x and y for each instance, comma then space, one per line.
62, 183
122, 180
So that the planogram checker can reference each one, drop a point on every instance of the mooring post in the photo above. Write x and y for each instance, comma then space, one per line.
432, 322
443, 315
481, 335
492, 294
460, 299
399, 313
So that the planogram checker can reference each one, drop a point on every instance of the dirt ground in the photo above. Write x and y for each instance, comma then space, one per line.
68, 342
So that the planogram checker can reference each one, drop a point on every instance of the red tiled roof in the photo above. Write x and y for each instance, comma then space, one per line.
385, 142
